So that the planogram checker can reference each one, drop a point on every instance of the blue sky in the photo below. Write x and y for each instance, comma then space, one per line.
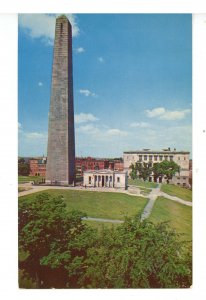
132, 78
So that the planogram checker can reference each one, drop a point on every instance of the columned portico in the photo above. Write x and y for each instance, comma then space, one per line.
105, 179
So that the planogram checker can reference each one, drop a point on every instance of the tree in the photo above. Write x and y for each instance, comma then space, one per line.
63, 252
46, 229
144, 169
138, 255
166, 168
23, 167
141, 170
133, 173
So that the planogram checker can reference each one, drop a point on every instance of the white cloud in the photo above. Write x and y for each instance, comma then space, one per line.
40, 83
101, 59
87, 93
116, 132
83, 118
80, 50
140, 124
43, 25
102, 133
164, 114
35, 135
156, 112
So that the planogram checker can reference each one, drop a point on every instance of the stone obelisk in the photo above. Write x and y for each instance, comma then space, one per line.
60, 168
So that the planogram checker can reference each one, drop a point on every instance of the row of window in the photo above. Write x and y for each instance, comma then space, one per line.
145, 157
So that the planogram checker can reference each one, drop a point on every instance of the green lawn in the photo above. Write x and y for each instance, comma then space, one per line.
24, 179
145, 184
179, 215
177, 191
144, 191
99, 204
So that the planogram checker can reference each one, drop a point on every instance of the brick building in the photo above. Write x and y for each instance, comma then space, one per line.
90, 163
37, 166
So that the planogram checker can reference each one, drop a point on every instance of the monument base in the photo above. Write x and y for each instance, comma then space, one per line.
59, 183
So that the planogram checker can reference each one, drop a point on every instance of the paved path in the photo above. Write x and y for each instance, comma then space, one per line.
174, 198
152, 197
41, 188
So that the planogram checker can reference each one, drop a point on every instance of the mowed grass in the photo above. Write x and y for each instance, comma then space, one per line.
106, 205
177, 191
179, 215
25, 179
145, 184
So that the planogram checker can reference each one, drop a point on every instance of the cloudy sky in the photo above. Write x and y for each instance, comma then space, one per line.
132, 82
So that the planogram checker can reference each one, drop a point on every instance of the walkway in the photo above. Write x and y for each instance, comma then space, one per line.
152, 197
156, 192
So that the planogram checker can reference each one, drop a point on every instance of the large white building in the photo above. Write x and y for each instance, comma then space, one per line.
152, 156
105, 178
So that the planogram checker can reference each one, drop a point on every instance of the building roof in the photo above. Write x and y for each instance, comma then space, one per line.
105, 171
149, 151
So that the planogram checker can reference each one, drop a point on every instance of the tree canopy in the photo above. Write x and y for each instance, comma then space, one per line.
144, 170
62, 252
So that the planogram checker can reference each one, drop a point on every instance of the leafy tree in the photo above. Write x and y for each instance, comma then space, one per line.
63, 252
166, 168
138, 255
144, 169
141, 170
23, 168
45, 230
133, 173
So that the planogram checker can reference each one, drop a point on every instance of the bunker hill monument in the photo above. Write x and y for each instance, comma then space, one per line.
61, 142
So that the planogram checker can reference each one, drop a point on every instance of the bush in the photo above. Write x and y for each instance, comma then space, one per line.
64, 252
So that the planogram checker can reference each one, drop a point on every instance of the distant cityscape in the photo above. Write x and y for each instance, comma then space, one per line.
37, 165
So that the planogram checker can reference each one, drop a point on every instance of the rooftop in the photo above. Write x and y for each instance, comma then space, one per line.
105, 171
163, 151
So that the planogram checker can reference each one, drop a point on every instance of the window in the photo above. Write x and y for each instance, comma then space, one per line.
150, 157
184, 178
90, 179
140, 157
184, 184
110, 178
106, 178
184, 158
118, 179
171, 158
160, 157
178, 158
145, 157
95, 177
155, 157
166, 157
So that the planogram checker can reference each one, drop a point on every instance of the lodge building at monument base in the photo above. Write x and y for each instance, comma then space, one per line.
105, 178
